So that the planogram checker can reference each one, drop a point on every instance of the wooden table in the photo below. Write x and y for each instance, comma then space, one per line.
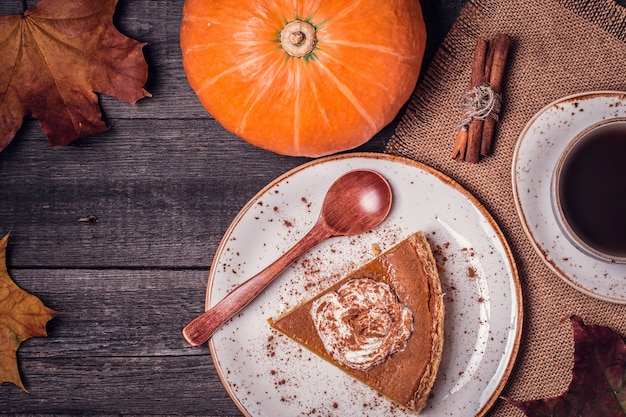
164, 183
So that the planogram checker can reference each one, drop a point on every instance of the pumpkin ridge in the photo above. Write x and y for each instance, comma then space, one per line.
297, 114
376, 48
311, 8
343, 13
244, 64
254, 96
374, 80
320, 106
208, 46
347, 92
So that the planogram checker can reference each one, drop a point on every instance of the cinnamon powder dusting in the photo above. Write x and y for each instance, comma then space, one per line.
471, 272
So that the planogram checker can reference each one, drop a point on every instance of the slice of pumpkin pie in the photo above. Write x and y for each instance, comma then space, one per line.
382, 323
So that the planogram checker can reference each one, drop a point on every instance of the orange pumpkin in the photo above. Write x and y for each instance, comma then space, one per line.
303, 77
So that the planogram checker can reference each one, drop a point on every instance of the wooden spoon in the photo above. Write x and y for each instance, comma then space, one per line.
355, 203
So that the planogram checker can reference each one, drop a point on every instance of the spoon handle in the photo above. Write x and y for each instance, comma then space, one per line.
200, 329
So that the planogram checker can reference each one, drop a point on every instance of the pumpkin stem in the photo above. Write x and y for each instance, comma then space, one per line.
298, 38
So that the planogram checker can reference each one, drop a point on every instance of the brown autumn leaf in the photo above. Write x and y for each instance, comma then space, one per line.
52, 59
22, 316
598, 386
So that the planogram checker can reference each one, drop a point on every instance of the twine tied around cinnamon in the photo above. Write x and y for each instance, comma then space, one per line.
480, 102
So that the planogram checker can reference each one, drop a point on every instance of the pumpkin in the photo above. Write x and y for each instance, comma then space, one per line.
303, 77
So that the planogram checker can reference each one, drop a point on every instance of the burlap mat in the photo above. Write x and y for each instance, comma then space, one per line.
559, 47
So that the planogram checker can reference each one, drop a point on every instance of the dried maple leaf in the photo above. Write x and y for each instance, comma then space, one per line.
22, 316
598, 386
52, 59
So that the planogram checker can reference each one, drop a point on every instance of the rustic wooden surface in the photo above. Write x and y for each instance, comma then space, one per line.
164, 182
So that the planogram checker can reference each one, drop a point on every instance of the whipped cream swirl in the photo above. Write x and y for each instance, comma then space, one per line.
362, 323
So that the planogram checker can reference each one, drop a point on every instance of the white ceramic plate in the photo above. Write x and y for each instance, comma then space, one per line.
268, 374
538, 149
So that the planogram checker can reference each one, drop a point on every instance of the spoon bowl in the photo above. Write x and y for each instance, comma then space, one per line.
355, 203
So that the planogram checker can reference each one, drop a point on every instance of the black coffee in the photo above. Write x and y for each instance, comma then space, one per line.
592, 189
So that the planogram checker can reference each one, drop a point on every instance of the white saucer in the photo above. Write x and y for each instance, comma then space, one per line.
538, 149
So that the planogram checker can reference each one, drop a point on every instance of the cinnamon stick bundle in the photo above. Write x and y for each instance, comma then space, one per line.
475, 137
